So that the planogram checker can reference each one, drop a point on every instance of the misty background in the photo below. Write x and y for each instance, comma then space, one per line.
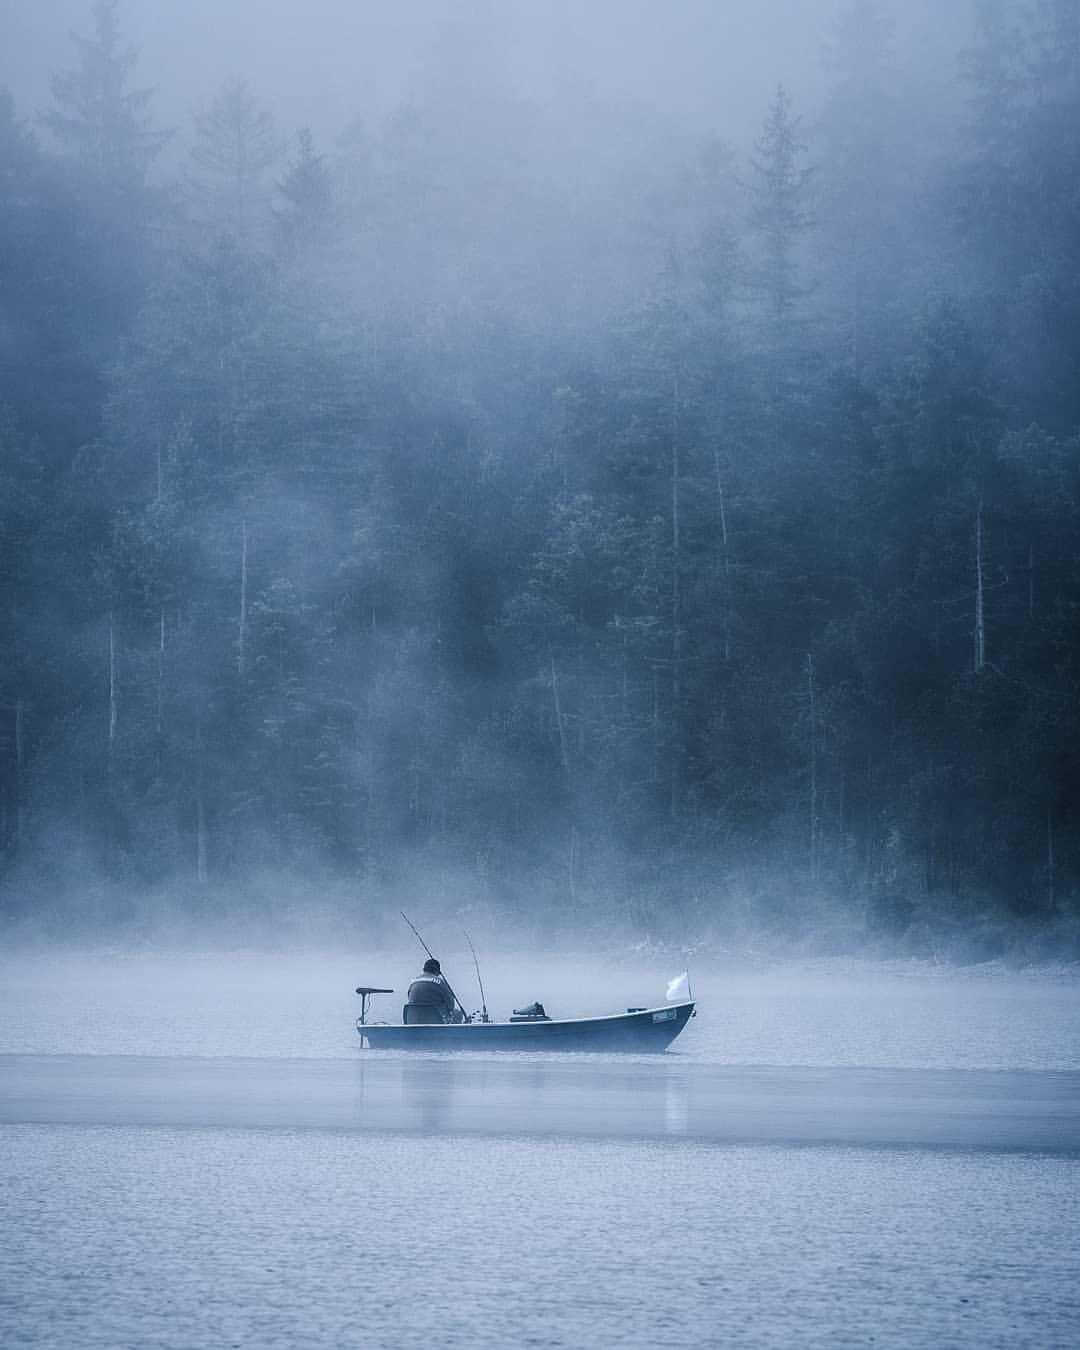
605, 469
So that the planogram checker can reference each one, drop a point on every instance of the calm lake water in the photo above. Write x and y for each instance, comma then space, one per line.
194, 1152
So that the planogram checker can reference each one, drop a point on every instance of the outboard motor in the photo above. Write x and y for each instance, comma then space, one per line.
533, 1012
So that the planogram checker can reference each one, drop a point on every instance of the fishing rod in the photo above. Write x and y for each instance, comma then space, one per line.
483, 1001
434, 958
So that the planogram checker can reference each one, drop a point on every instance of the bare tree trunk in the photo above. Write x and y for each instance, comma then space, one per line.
980, 615
813, 803
240, 651
624, 681
560, 447
656, 738
1069, 34
161, 676
221, 401
84, 825
416, 779
1051, 877
19, 755
200, 804
725, 557
113, 713
1031, 581
676, 614
236, 387
582, 722
200, 839
572, 869
110, 833
373, 805
559, 718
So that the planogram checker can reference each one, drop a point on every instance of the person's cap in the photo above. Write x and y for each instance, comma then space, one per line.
432, 967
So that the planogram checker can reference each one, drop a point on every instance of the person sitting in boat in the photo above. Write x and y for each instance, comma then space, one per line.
430, 998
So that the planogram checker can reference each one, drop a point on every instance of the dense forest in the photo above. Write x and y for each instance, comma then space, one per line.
529, 505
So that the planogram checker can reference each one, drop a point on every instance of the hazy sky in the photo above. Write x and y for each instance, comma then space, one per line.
712, 62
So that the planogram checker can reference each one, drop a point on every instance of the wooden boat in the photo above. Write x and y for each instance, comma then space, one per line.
636, 1029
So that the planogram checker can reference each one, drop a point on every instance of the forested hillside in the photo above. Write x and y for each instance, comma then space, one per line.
534, 505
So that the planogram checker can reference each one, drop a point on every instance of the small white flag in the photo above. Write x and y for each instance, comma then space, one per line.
679, 987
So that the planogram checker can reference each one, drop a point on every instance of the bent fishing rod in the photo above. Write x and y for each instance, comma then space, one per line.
483, 1001
435, 958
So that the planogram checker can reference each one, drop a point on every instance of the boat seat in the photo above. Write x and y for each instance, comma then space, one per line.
421, 1014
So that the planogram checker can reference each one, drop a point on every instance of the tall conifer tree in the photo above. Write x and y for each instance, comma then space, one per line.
778, 216
236, 146
99, 119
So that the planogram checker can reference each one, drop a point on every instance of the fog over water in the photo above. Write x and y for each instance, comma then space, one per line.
781, 1013
195, 1150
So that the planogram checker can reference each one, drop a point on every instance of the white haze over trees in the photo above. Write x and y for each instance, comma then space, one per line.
614, 466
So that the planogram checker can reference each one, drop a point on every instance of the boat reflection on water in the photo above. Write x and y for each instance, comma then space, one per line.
525, 1095
676, 1105
428, 1099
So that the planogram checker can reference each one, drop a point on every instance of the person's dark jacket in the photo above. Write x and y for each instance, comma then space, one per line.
432, 991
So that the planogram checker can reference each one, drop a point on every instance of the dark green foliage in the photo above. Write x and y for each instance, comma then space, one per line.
633, 539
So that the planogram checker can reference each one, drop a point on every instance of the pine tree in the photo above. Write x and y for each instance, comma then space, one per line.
236, 145
1047, 216
1054, 29
778, 215
304, 217
861, 169
994, 68
105, 130
99, 119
